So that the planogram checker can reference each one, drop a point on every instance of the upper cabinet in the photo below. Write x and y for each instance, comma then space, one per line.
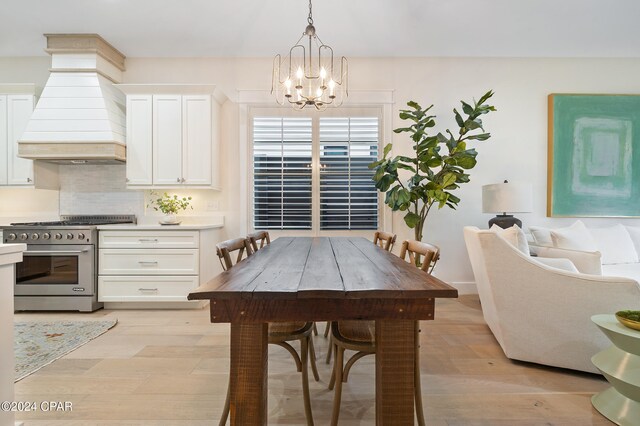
16, 105
15, 111
172, 135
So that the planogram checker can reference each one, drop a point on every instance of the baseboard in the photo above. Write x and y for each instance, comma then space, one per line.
465, 287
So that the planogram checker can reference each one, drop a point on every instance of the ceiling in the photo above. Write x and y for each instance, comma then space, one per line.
247, 28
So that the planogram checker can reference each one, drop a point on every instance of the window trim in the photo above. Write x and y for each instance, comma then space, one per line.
250, 101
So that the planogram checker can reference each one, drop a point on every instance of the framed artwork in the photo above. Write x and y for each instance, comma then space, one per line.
594, 156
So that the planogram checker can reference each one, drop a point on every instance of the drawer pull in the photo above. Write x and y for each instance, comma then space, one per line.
148, 262
148, 240
147, 289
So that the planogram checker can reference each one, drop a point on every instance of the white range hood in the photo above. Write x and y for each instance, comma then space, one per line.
80, 117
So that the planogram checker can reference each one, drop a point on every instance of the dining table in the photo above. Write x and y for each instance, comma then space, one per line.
323, 279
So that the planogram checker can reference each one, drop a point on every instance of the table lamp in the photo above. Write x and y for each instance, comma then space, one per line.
507, 198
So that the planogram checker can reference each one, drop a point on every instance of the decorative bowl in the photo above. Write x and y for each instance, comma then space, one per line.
624, 317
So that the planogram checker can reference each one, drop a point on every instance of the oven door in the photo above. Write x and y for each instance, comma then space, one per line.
56, 270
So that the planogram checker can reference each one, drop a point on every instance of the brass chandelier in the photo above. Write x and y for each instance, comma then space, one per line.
302, 80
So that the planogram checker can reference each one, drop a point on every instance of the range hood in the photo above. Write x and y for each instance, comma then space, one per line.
80, 117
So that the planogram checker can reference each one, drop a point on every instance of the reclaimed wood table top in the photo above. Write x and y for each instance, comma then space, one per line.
323, 267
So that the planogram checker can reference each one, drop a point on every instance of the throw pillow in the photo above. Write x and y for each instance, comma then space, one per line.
514, 236
615, 244
541, 236
575, 237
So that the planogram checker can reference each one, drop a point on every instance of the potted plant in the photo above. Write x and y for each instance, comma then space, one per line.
437, 168
170, 205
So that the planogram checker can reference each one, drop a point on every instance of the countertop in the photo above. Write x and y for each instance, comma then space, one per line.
152, 225
11, 253
158, 227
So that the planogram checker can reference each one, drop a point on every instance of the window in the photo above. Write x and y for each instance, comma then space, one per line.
348, 196
285, 181
282, 154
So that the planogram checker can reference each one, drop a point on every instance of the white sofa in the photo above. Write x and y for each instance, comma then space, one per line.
540, 313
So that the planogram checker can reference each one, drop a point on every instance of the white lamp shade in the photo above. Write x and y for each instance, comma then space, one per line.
507, 198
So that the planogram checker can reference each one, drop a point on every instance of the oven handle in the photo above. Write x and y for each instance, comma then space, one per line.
56, 252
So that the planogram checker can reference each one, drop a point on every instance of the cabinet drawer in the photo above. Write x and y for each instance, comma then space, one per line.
149, 239
148, 262
145, 289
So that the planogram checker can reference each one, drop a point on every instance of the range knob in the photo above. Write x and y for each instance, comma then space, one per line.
35, 236
23, 236
81, 236
69, 236
46, 236
11, 237
58, 236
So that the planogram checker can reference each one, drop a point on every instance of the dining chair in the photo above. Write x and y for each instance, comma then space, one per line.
280, 333
225, 248
359, 336
416, 249
261, 237
384, 240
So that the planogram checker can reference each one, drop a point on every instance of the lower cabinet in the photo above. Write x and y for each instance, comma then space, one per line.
145, 289
154, 266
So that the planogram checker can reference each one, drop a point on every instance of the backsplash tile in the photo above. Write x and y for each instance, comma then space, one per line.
98, 189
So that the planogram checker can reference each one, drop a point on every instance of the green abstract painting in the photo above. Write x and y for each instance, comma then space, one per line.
594, 155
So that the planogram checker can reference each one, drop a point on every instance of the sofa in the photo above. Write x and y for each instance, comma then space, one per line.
539, 308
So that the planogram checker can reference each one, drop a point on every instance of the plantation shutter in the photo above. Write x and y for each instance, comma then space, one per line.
348, 196
282, 154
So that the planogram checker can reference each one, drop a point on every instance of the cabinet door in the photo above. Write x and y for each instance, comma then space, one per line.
4, 148
19, 109
167, 140
139, 140
196, 139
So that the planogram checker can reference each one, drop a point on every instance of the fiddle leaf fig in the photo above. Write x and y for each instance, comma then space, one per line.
438, 165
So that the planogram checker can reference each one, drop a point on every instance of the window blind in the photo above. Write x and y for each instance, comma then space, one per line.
348, 196
282, 154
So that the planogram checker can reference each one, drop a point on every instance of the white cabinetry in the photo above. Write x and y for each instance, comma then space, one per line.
139, 154
172, 135
19, 109
15, 111
154, 266
16, 106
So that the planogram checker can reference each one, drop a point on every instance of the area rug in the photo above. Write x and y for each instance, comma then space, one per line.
39, 343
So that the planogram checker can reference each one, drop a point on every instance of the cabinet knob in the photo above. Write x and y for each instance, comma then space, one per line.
127, 180
178, 180
182, 180
28, 179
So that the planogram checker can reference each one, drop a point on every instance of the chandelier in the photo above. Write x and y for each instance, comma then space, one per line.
302, 79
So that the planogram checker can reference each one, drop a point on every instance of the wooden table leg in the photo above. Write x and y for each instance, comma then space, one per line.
248, 374
395, 357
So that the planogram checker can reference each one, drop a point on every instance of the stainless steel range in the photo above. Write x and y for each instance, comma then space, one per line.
59, 271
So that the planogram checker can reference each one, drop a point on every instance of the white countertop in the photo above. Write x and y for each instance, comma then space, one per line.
157, 226
11, 253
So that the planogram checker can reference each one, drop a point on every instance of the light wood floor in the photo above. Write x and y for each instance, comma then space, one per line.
170, 368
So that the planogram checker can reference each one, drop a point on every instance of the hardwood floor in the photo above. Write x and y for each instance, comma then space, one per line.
170, 368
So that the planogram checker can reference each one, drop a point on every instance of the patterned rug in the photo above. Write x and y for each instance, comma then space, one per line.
39, 343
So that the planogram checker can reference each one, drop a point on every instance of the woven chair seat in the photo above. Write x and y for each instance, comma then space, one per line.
358, 331
285, 328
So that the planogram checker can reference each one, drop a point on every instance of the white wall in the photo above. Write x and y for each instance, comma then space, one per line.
517, 151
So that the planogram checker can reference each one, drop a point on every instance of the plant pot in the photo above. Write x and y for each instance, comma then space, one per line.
169, 219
